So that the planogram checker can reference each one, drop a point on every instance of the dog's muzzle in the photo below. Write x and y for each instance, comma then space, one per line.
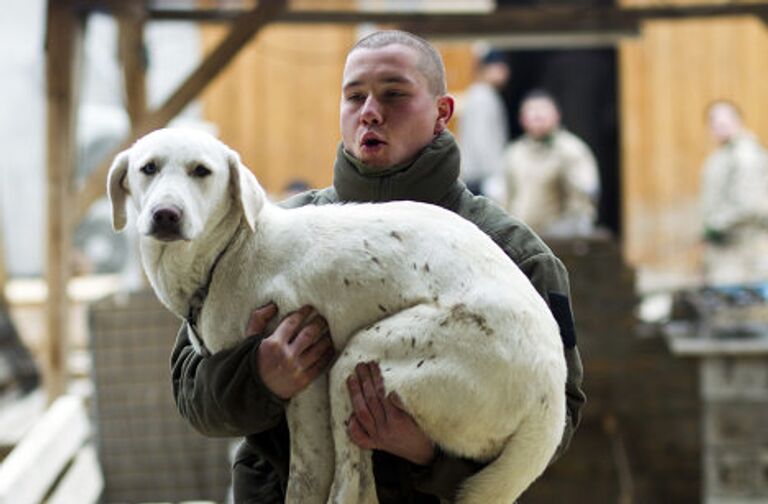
166, 223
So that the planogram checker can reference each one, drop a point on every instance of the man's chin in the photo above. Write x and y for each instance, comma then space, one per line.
375, 162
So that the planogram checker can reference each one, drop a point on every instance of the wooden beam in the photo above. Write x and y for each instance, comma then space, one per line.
558, 18
133, 58
36, 463
565, 19
64, 37
243, 30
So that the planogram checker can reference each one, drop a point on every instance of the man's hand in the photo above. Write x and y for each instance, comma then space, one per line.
296, 353
379, 421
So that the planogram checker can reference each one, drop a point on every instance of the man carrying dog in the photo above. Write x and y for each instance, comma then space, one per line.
395, 146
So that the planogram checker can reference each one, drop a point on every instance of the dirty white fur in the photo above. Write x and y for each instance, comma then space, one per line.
457, 329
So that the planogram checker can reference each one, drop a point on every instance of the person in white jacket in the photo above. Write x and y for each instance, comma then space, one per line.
552, 178
484, 129
734, 201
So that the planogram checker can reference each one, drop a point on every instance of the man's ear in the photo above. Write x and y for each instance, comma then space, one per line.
246, 191
117, 190
445, 107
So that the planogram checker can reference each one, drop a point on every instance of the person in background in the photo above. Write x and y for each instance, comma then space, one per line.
483, 127
734, 201
395, 145
551, 174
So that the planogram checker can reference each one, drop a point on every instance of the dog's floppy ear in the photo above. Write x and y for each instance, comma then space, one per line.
117, 190
246, 190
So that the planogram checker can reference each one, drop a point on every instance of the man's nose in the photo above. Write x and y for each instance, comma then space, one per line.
371, 113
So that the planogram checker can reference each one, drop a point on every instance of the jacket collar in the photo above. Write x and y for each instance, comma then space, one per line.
431, 178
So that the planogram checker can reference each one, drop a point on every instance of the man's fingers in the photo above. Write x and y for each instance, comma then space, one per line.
378, 381
366, 375
288, 327
318, 366
260, 317
317, 353
394, 400
358, 434
359, 404
310, 335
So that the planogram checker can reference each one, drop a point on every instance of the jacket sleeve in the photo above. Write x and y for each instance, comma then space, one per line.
444, 476
550, 278
222, 394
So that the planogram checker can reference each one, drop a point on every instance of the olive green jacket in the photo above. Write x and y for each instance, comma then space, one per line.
222, 395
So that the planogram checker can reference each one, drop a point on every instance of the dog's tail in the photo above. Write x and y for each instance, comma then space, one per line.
523, 459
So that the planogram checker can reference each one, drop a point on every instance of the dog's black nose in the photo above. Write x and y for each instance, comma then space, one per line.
167, 217
166, 223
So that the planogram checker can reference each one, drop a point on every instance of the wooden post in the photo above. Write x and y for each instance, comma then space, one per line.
133, 58
64, 34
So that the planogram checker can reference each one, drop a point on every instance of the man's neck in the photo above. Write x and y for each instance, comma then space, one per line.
429, 177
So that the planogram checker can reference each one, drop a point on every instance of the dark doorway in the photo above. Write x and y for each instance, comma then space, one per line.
584, 82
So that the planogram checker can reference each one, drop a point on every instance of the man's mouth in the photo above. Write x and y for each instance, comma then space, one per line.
370, 141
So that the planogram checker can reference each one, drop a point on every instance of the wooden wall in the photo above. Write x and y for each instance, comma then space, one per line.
667, 78
277, 104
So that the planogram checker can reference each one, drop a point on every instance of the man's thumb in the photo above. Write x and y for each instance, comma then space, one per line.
260, 317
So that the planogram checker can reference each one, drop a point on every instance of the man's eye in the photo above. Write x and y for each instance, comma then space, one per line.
356, 98
149, 168
200, 171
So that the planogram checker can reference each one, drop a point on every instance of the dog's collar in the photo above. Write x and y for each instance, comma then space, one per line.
197, 301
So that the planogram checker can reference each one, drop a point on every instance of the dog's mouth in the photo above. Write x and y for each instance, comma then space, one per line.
165, 235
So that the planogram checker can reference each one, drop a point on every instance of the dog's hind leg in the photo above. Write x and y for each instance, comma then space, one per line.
312, 456
478, 382
523, 459
353, 481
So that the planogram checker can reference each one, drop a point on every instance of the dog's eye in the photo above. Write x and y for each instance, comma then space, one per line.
149, 168
201, 171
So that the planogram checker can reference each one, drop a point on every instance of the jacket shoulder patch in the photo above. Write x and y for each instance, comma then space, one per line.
561, 309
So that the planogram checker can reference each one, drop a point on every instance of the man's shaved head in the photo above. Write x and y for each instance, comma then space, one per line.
430, 62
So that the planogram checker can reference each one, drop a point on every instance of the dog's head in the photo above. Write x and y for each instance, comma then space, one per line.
181, 181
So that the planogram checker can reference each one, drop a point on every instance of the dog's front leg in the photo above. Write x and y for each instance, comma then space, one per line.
353, 482
312, 456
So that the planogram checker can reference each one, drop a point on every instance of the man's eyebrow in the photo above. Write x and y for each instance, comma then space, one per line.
351, 84
394, 79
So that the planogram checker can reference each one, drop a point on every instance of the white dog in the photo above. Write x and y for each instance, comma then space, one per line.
458, 331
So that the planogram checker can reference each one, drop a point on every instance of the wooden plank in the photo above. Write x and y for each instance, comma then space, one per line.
131, 50
37, 461
18, 416
83, 482
246, 26
63, 56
